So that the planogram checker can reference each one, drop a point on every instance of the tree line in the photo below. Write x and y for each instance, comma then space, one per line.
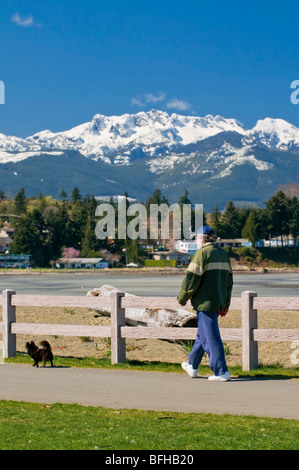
46, 227
279, 218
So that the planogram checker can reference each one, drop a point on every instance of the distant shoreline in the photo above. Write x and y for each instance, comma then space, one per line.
130, 271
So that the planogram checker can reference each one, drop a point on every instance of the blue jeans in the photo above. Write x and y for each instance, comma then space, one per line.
208, 340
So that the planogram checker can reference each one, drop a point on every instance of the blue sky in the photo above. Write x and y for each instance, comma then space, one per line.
64, 61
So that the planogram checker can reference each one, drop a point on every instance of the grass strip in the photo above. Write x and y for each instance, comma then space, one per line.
31, 426
273, 370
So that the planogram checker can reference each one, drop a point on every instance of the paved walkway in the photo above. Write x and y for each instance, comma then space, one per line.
150, 391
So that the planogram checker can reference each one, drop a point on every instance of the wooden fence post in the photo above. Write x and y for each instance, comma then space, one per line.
118, 344
8, 317
249, 322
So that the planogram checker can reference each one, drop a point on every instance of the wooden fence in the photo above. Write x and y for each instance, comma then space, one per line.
248, 303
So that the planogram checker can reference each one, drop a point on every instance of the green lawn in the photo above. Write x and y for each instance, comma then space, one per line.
34, 426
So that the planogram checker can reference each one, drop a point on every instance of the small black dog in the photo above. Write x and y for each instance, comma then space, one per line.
43, 354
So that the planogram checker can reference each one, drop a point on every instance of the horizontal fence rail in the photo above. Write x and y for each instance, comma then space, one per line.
118, 302
60, 330
60, 301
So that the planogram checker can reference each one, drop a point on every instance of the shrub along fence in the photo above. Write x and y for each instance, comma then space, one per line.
248, 303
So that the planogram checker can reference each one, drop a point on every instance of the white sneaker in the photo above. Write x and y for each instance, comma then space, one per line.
189, 369
221, 378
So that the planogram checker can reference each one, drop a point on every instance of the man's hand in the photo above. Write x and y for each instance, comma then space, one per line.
181, 303
223, 312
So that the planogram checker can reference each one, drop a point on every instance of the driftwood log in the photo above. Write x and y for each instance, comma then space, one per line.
147, 316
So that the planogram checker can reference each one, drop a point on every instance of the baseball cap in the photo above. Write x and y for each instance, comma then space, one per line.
204, 230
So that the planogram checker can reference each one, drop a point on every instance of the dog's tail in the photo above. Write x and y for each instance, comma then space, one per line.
45, 344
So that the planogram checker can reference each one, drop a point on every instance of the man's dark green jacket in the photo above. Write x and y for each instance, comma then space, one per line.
208, 281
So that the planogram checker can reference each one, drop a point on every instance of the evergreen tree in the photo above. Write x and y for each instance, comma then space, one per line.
63, 195
185, 198
230, 221
57, 222
215, 222
89, 241
31, 238
20, 202
132, 251
277, 213
42, 202
90, 204
262, 221
76, 224
250, 230
76, 196
156, 198
243, 214
294, 218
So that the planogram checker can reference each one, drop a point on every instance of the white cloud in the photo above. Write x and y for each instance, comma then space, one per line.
180, 105
137, 102
173, 103
25, 22
149, 98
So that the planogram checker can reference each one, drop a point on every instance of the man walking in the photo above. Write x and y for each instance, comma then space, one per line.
208, 283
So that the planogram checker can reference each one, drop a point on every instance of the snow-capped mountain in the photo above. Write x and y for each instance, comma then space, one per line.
155, 149
273, 133
112, 139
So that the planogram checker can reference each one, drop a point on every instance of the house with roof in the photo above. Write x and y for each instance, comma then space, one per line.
180, 258
14, 261
81, 263
186, 246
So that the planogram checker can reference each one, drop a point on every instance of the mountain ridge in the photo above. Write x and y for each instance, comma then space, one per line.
139, 152
104, 135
